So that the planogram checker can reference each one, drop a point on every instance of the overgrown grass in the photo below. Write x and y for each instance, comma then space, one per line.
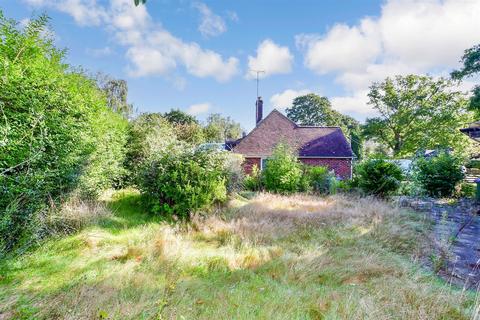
270, 257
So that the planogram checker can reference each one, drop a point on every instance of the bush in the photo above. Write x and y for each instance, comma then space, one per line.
105, 165
57, 133
344, 186
149, 134
321, 180
181, 182
438, 175
474, 163
410, 188
234, 171
379, 177
253, 181
283, 172
467, 190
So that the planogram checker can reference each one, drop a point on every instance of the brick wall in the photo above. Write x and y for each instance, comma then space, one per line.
341, 167
249, 163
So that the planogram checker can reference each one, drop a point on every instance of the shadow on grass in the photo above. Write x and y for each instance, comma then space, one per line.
128, 212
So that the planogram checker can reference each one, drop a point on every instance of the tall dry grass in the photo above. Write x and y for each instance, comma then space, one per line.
271, 257
73, 215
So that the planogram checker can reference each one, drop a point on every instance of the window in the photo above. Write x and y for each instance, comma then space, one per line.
263, 163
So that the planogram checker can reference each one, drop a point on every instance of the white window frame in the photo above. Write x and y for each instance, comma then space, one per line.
261, 162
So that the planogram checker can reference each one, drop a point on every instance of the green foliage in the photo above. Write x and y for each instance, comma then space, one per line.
283, 172
467, 190
184, 126
471, 66
116, 92
234, 171
379, 177
471, 63
104, 167
440, 174
191, 133
148, 134
220, 129
410, 187
417, 112
57, 132
183, 181
356, 141
473, 163
253, 181
344, 185
321, 180
313, 110
176, 116
475, 101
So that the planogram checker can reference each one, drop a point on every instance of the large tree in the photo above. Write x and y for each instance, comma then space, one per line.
220, 129
116, 92
471, 66
417, 112
176, 117
313, 110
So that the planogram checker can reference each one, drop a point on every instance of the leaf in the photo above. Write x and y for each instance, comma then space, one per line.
102, 314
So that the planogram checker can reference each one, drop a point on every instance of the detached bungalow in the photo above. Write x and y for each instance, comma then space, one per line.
316, 146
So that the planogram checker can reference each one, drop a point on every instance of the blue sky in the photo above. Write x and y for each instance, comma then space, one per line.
195, 55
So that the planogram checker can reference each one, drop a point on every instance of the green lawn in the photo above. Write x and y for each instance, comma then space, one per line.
270, 257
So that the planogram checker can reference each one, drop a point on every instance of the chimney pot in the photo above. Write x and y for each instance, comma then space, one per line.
259, 109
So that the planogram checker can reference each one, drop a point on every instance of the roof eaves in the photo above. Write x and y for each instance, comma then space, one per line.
326, 127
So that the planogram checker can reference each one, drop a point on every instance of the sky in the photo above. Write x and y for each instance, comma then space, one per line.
198, 56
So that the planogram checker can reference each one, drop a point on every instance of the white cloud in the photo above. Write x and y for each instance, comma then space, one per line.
150, 49
409, 36
211, 25
99, 52
160, 52
271, 58
356, 103
196, 109
342, 48
179, 83
284, 99
429, 33
361, 79
233, 16
84, 12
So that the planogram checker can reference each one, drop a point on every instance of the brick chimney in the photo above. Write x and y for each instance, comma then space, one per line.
259, 108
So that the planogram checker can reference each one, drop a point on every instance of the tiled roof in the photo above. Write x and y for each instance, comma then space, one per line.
309, 141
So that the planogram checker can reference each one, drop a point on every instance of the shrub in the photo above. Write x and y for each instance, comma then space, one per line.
474, 163
253, 181
149, 134
283, 172
181, 182
467, 190
379, 177
438, 175
410, 188
57, 133
321, 180
105, 165
344, 185
234, 171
